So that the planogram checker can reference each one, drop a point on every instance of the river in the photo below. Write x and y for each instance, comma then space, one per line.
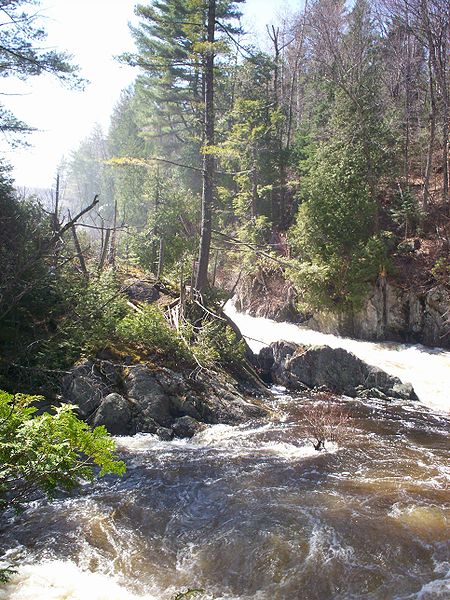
254, 512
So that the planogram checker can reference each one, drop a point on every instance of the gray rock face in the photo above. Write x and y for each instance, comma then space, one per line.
151, 400
114, 413
389, 312
85, 387
334, 368
134, 398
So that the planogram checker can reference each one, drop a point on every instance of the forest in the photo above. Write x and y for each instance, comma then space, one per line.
310, 173
329, 152
324, 158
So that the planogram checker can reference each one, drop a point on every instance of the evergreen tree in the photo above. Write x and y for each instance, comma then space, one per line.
337, 235
22, 56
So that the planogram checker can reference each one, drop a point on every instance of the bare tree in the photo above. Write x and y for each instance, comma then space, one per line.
325, 421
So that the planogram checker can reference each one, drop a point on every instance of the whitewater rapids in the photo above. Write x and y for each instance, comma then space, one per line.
427, 369
254, 512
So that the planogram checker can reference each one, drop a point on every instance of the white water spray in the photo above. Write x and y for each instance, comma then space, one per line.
427, 369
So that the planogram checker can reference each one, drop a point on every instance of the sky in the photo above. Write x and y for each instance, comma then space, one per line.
93, 32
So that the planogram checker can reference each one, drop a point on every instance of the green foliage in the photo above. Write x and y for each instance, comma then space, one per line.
333, 239
188, 594
6, 574
441, 271
406, 212
89, 315
49, 451
172, 212
23, 55
149, 329
216, 344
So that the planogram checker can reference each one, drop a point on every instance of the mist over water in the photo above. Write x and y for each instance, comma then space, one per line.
254, 513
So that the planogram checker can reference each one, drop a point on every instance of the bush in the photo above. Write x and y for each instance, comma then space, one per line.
150, 330
91, 313
441, 271
48, 451
325, 421
216, 344
406, 211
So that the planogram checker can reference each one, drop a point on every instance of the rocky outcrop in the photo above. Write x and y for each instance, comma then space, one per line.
389, 312
147, 398
299, 367
393, 313
268, 294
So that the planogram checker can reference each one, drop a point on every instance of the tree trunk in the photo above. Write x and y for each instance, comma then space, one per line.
208, 158
79, 253
160, 258
113, 244
56, 224
105, 249
446, 116
431, 139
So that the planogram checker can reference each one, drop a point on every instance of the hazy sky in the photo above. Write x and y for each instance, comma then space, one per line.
93, 31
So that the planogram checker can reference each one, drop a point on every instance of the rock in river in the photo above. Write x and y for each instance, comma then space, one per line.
298, 367
131, 398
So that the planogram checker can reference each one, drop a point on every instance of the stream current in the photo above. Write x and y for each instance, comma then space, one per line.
254, 512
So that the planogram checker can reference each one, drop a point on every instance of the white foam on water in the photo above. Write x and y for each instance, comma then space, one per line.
242, 441
64, 580
427, 369
433, 590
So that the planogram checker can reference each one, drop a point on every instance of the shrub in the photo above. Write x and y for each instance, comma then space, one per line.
150, 330
325, 421
47, 452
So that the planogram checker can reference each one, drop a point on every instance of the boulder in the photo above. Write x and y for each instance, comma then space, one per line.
140, 290
115, 414
84, 387
139, 398
150, 399
164, 434
186, 427
297, 366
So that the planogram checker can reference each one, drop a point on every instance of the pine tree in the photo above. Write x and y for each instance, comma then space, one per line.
22, 56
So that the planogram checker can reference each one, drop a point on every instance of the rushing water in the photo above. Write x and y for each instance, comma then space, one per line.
254, 513
428, 369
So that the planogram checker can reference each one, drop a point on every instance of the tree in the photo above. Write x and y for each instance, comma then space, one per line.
337, 235
22, 55
250, 145
208, 175
177, 43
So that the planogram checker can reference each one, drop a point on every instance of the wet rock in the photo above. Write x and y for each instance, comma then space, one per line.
84, 387
186, 427
150, 399
164, 434
222, 402
139, 398
115, 414
296, 366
